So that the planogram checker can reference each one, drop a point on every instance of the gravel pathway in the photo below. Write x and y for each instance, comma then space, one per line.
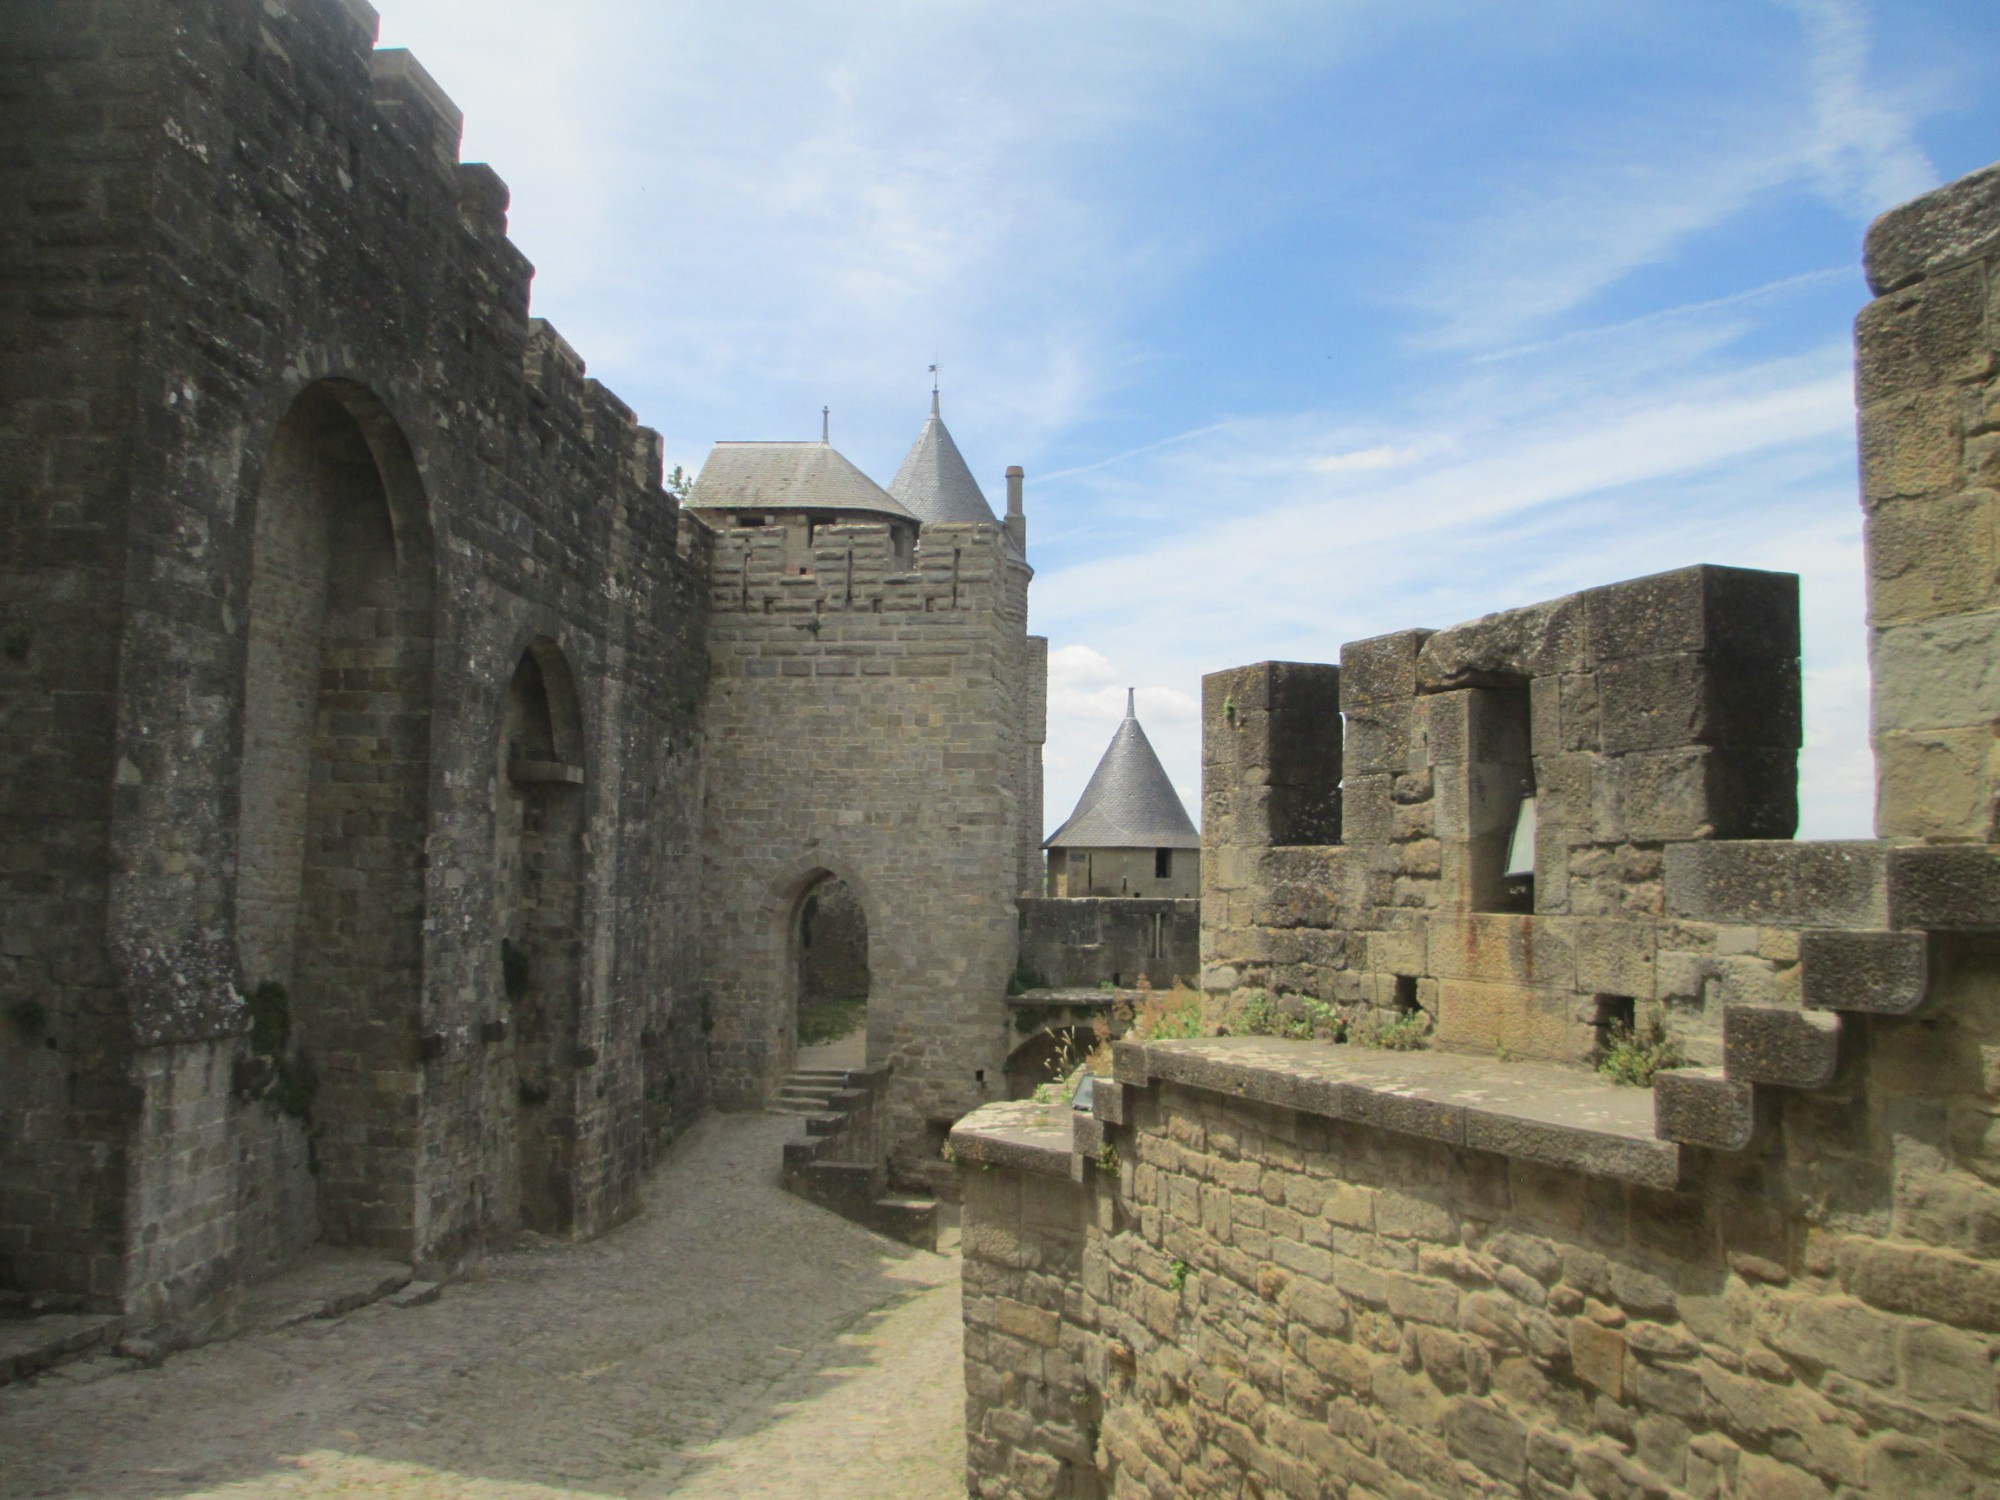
731, 1342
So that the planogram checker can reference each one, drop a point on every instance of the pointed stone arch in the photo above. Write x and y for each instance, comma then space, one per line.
333, 797
539, 856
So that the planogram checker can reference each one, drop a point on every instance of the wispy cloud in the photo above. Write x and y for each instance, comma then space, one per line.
1559, 230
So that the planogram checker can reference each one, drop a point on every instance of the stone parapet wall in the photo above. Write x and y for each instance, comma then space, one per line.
1079, 943
1648, 712
1303, 1301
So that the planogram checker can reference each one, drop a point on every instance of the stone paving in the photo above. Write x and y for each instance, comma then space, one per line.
732, 1342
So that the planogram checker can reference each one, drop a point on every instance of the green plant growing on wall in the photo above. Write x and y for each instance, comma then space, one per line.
1409, 1032
1632, 1058
1177, 1274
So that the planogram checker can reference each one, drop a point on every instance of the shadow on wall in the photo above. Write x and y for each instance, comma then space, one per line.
832, 968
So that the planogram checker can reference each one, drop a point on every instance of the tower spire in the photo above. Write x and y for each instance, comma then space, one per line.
1130, 695
934, 388
826, 426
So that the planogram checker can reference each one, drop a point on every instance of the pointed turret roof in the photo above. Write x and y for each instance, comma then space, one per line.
1129, 803
935, 482
788, 476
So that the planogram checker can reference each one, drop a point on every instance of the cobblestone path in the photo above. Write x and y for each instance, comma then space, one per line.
733, 1341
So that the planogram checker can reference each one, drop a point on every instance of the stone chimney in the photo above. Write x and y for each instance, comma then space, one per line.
1017, 520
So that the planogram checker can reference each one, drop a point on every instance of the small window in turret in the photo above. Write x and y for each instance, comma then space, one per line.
1163, 864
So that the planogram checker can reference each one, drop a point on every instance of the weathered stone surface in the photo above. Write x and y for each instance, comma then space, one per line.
1769, 1044
1955, 223
1697, 698
1506, 649
1779, 883
1946, 889
1705, 1107
1883, 973
1381, 668
1932, 558
1706, 608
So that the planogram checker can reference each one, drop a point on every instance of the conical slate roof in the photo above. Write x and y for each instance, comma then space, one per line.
1129, 803
788, 476
935, 482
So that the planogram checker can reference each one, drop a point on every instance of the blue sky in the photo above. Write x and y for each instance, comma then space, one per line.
1308, 321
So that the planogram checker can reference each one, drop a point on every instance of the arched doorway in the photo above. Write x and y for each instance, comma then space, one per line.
830, 974
538, 889
332, 812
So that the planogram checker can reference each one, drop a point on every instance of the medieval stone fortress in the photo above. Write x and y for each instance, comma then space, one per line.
419, 823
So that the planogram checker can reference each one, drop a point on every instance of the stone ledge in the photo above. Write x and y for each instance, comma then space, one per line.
1020, 1134
1560, 1117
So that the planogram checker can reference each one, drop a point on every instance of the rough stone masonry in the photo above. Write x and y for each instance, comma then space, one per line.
402, 818
1274, 1266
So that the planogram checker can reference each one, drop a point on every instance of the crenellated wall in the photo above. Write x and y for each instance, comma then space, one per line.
868, 718
1271, 1265
294, 483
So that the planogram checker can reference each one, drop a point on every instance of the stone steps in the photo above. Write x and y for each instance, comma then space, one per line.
823, 1168
1865, 970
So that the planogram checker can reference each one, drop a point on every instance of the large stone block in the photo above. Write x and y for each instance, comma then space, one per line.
1911, 447
1704, 1107
1771, 1044
1937, 674
1703, 608
1778, 883
1932, 557
1381, 667
1701, 792
1698, 698
1379, 735
1958, 222
1881, 973
1937, 784
1508, 648
1927, 334
1945, 889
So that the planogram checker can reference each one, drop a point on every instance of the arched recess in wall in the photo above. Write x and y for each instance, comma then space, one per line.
828, 962
335, 777
538, 886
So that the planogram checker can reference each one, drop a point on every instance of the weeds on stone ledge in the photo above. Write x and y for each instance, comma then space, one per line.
1409, 1032
1633, 1058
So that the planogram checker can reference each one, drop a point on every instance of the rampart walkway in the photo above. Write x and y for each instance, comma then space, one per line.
733, 1342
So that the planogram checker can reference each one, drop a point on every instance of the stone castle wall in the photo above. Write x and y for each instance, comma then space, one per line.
1641, 714
865, 720
1281, 1266
1074, 942
311, 484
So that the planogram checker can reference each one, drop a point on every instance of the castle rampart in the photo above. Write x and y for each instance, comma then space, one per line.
296, 490
1305, 1266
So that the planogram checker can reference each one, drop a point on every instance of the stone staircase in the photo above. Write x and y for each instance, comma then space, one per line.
842, 1164
1878, 966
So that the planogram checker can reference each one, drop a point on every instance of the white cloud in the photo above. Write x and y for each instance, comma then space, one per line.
1564, 226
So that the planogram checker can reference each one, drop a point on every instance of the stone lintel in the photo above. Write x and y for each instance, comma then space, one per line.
1557, 1116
